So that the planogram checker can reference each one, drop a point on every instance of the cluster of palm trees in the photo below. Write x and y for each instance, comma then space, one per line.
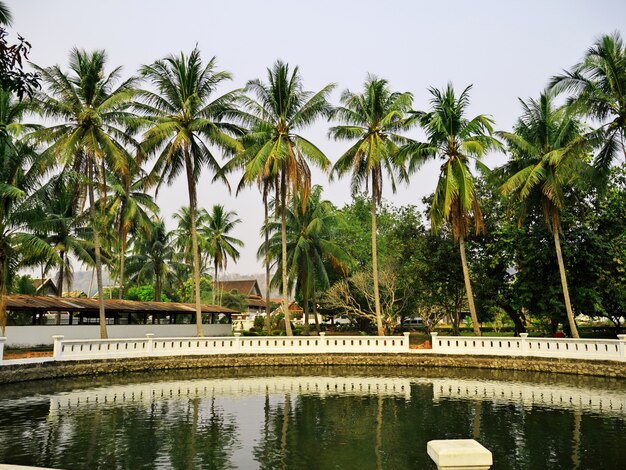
105, 142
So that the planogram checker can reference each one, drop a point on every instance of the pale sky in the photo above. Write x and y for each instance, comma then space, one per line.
505, 49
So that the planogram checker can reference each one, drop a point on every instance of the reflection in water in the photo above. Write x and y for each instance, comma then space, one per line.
226, 420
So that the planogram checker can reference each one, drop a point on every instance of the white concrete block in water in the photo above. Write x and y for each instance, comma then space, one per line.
459, 454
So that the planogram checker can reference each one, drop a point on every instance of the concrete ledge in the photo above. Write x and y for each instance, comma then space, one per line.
459, 454
57, 369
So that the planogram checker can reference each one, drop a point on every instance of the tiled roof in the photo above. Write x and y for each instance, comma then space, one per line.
243, 286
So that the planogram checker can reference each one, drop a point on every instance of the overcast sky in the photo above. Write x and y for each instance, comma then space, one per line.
505, 49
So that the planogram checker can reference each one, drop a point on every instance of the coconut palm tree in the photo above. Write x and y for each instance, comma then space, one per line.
184, 115
276, 154
182, 237
21, 173
547, 150
456, 140
220, 244
310, 251
92, 111
598, 87
6, 18
152, 256
372, 120
57, 220
130, 209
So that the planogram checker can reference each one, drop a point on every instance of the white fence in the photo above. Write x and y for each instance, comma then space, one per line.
35, 335
151, 346
566, 348
585, 349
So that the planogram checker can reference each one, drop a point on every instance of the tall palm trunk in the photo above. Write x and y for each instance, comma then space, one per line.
123, 234
3, 291
379, 319
468, 287
568, 305
191, 188
215, 283
61, 282
283, 223
96, 245
268, 320
314, 301
305, 310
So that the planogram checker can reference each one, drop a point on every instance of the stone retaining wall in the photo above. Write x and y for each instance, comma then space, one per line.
54, 370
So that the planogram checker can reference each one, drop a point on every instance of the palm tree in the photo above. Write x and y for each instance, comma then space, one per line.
598, 84
21, 173
57, 220
6, 18
372, 119
547, 148
91, 108
184, 115
130, 208
310, 250
182, 237
221, 245
456, 140
276, 154
152, 256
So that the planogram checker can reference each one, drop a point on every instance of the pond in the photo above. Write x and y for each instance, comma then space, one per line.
312, 418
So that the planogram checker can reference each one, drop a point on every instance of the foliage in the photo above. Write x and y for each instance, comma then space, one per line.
144, 294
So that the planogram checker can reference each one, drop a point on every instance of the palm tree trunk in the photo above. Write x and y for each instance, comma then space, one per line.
3, 292
191, 188
283, 224
468, 287
379, 319
214, 280
268, 320
305, 310
568, 305
122, 264
96, 245
60, 285
314, 301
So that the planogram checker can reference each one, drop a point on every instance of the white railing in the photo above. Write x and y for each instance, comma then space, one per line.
151, 346
567, 348
585, 349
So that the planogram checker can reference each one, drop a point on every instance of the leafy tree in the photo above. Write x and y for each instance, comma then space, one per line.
220, 244
91, 108
598, 87
372, 119
144, 294
547, 161
13, 78
275, 151
184, 115
456, 140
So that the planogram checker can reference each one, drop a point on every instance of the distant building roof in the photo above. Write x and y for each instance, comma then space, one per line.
45, 285
243, 286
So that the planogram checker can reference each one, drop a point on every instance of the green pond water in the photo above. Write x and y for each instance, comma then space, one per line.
312, 418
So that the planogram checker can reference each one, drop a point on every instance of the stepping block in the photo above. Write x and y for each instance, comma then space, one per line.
459, 454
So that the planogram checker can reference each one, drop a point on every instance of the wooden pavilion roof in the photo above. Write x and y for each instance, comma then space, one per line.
19, 302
